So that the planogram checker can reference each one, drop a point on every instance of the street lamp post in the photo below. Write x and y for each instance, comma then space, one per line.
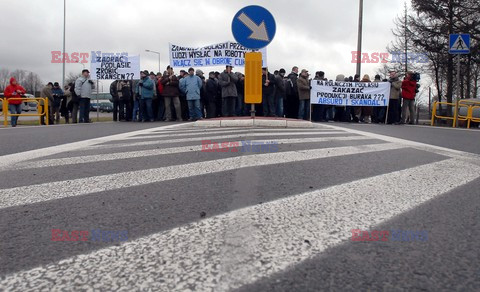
63, 55
159, 67
359, 42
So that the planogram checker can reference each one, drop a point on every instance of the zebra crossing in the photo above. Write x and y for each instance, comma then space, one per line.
206, 221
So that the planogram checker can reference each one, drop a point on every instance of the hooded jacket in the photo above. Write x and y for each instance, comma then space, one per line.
408, 88
12, 92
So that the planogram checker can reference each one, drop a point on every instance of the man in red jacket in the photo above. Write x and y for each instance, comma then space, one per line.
409, 87
14, 106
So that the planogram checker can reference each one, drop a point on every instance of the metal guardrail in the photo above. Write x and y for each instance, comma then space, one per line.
470, 105
44, 112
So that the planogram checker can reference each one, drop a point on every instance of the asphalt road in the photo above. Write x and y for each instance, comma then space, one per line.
163, 215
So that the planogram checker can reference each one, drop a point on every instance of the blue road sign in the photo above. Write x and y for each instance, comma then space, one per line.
459, 44
253, 27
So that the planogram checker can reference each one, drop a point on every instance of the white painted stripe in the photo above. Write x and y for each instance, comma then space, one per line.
256, 129
57, 190
239, 133
228, 251
164, 151
194, 139
7, 160
418, 145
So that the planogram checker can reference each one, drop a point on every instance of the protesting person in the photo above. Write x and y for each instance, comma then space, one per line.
171, 95
291, 90
367, 111
83, 89
227, 81
145, 91
304, 87
280, 92
191, 85
394, 103
409, 87
66, 101
47, 94
212, 93
58, 96
268, 93
115, 98
14, 90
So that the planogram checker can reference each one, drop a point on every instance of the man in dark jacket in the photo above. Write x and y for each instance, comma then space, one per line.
171, 93
211, 95
268, 92
409, 87
115, 99
280, 92
291, 90
240, 106
227, 81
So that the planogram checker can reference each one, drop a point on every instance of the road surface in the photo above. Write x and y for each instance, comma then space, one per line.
163, 215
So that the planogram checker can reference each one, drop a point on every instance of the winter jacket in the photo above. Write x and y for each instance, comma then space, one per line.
84, 88
228, 83
291, 87
56, 101
191, 86
11, 91
147, 90
170, 86
270, 89
212, 89
408, 89
303, 88
396, 84
46, 93
279, 86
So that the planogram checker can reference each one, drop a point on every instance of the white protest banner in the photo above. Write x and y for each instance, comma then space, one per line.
350, 93
227, 53
114, 66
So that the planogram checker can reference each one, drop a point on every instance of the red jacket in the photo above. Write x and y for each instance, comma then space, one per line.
13, 91
408, 89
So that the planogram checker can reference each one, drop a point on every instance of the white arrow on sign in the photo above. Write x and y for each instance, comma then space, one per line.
259, 32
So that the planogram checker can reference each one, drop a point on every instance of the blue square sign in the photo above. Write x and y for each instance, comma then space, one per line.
459, 44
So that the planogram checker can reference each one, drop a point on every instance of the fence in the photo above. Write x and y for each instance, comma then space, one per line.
42, 110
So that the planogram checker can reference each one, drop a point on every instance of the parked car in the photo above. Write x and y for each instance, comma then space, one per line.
31, 105
106, 107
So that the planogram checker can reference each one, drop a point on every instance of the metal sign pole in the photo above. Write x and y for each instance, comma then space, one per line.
457, 100
98, 106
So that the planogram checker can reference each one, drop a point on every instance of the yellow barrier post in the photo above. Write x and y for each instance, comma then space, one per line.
434, 112
5, 112
47, 112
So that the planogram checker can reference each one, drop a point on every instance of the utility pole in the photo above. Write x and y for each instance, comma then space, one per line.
359, 42
63, 53
406, 38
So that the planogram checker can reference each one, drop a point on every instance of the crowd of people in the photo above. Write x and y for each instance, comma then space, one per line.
193, 96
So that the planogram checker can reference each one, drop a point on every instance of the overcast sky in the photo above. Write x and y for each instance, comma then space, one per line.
312, 34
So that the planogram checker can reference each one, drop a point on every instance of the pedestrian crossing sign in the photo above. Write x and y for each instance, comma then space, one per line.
459, 44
